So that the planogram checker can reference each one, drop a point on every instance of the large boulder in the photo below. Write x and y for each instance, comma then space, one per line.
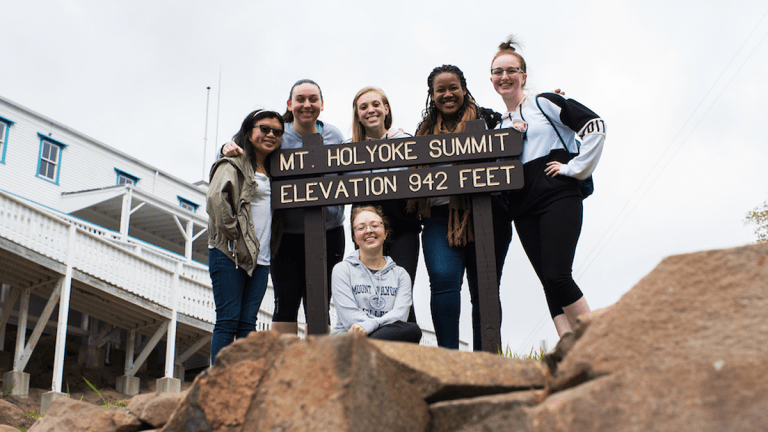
685, 349
69, 415
155, 408
12, 415
442, 374
336, 383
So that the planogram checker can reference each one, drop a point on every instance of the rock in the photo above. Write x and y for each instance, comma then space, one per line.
466, 413
6, 428
154, 408
442, 374
67, 415
12, 415
685, 349
334, 383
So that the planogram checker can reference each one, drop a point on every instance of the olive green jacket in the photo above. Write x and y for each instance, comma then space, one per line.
232, 187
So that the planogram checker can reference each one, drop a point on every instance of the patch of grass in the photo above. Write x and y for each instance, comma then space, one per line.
108, 403
8, 390
34, 414
532, 355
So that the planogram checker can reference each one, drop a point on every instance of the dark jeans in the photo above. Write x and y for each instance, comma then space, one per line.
403, 248
398, 331
289, 272
446, 264
237, 297
549, 237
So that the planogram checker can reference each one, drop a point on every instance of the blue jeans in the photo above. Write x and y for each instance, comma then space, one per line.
445, 266
238, 299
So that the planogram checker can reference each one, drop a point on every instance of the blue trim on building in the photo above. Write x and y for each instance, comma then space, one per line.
186, 201
8, 124
61, 146
125, 174
47, 138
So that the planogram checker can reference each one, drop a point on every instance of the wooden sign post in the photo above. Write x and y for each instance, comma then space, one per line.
376, 170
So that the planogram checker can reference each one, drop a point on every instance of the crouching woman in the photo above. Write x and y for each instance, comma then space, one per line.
372, 294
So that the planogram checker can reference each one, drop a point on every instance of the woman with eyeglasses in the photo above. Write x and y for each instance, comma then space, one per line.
305, 102
447, 236
240, 237
372, 294
548, 210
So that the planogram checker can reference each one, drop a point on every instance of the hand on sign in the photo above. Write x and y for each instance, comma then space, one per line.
558, 91
553, 168
356, 328
231, 149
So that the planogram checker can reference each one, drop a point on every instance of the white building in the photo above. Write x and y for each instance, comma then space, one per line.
119, 243
93, 230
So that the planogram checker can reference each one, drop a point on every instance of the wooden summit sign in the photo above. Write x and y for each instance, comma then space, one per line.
386, 174
384, 164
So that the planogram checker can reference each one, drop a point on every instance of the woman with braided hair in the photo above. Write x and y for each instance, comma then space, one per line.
447, 239
548, 209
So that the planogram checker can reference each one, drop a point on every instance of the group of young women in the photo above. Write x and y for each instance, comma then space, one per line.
372, 288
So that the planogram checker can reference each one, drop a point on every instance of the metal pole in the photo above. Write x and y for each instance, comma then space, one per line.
205, 138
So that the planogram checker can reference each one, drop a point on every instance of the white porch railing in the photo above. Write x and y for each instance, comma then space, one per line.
134, 266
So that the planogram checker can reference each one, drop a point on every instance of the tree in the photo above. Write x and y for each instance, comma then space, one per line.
759, 217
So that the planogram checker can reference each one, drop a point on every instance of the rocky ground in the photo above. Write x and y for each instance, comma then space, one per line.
684, 350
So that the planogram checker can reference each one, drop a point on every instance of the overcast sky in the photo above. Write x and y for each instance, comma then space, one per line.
681, 86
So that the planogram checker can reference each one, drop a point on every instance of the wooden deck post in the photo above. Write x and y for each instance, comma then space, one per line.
487, 284
316, 305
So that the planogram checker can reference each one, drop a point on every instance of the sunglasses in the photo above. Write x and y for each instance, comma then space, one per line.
266, 130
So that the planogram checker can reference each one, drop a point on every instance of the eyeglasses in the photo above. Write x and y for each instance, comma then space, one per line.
510, 70
266, 130
373, 226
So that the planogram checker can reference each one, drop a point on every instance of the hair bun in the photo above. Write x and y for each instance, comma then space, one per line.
506, 46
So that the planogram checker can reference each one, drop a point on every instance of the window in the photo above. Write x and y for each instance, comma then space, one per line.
123, 178
5, 126
49, 166
187, 204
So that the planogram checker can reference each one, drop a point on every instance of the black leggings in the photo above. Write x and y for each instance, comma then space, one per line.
549, 236
398, 331
289, 272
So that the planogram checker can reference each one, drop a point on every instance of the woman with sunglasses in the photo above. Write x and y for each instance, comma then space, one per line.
548, 209
372, 294
240, 237
305, 102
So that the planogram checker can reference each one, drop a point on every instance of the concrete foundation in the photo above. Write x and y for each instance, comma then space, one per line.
179, 371
128, 385
16, 384
49, 397
168, 385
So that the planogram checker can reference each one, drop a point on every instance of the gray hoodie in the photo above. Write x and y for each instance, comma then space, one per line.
368, 299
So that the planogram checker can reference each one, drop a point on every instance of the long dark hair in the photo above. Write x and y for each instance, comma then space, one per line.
288, 116
429, 115
242, 136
